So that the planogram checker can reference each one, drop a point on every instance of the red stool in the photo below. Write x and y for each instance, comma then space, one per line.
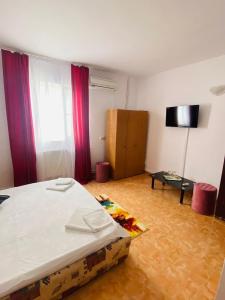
204, 198
102, 171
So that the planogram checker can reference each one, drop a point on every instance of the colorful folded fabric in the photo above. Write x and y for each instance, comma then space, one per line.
131, 224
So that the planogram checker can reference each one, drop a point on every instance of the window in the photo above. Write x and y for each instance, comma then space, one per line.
51, 97
51, 100
55, 113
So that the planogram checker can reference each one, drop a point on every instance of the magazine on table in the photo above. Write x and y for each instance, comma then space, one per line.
172, 177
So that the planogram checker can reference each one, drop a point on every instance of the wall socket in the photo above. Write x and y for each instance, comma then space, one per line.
102, 138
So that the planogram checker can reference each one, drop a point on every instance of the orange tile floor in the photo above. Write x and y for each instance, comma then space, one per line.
180, 257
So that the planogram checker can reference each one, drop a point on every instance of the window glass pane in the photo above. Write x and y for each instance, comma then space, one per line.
51, 112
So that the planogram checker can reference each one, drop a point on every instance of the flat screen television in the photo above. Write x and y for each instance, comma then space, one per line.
182, 116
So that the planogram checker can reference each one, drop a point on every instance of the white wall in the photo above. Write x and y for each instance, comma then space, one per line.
131, 93
6, 173
186, 85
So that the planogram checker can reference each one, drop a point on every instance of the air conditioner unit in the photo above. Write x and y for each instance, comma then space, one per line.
102, 83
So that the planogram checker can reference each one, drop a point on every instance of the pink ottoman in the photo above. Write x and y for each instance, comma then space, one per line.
102, 171
204, 198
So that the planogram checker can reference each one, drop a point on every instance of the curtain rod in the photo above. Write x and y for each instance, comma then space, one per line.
42, 56
96, 67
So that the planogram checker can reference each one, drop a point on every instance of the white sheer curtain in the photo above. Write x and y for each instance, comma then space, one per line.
51, 98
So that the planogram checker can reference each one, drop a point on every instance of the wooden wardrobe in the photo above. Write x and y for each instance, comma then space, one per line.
126, 137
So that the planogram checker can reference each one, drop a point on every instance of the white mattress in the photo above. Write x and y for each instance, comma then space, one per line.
33, 239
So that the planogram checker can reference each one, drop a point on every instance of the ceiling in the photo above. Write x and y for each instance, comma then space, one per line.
140, 37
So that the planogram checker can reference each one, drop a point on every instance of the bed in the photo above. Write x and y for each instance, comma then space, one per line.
40, 259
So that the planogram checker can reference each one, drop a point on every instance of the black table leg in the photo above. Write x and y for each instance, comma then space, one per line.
153, 183
181, 196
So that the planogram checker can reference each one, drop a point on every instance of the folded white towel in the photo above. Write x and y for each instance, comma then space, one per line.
76, 220
97, 220
64, 181
89, 220
61, 188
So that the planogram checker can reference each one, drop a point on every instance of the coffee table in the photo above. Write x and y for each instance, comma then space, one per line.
175, 183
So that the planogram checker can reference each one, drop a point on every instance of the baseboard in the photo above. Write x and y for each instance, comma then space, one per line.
148, 171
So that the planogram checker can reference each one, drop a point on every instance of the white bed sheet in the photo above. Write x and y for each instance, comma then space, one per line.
33, 239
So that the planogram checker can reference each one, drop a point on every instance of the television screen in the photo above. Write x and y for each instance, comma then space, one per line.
182, 116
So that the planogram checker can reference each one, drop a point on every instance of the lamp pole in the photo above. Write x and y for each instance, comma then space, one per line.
185, 152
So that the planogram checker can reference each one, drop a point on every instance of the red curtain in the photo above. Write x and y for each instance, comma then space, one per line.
19, 116
80, 90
